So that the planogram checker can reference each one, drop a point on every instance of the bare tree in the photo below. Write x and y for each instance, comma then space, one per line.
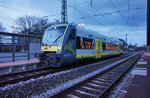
40, 26
25, 23
56, 22
2, 28
32, 25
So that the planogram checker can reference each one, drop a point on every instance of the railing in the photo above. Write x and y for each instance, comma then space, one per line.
14, 47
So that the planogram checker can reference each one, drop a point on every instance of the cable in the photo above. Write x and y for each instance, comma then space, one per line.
110, 13
89, 16
15, 9
121, 15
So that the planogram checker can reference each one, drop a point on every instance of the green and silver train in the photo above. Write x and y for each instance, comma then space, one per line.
67, 43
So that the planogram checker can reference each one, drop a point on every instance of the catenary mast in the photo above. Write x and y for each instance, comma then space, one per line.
64, 18
148, 22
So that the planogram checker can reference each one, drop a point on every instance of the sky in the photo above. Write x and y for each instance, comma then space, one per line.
114, 18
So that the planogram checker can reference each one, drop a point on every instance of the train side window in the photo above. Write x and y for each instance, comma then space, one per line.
72, 34
104, 46
78, 43
84, 43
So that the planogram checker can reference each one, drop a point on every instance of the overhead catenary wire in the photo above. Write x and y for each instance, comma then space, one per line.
16, 10
9, 21
110, 13
128, 9
104, 14
86, 15
121, 15
89, 16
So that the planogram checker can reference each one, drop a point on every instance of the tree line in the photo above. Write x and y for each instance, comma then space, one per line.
31, 25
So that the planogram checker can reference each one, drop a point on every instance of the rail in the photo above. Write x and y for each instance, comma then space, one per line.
55, 82
100, 84
35, 67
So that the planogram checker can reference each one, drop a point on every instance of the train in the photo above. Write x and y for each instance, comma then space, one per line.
67, 43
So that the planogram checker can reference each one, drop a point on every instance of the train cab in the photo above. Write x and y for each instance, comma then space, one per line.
58, 45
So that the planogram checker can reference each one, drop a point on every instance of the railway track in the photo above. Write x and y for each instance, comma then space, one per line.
100, 84
26, 75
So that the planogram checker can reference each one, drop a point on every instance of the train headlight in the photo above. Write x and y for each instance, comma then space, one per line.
58, 48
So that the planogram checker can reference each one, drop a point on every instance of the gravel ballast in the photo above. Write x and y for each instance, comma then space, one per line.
53, 83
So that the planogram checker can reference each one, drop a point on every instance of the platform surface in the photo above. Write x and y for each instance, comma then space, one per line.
140, 84
22, 62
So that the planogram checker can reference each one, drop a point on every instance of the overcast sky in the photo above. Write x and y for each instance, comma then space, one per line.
127, 16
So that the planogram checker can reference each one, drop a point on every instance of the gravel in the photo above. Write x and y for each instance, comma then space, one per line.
53, 83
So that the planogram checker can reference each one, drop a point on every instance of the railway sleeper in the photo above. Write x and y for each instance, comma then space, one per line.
103, 80
84, 94
96, 85
99, 82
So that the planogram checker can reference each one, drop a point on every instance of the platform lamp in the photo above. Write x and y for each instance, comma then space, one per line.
15, 27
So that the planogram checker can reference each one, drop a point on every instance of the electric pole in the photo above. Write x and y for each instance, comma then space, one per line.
148, 22
126, 41
91, 2
64, 11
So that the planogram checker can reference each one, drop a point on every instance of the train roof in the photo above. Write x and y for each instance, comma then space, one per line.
81, 31
90, 33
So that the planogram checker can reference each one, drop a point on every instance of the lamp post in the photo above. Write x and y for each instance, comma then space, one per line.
15, 27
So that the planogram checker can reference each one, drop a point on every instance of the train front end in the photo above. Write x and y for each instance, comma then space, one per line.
51, 46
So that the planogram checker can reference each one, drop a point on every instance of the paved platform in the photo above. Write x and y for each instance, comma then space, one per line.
139, 86
22, 62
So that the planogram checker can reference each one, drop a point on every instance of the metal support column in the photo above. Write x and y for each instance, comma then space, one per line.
64, 12
148, 23
28, 42
126, 42
13, 48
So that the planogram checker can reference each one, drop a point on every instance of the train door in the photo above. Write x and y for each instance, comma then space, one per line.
72, 43
98, 48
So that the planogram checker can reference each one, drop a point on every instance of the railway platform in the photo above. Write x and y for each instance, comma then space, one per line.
138, 82
17, 66
21, 62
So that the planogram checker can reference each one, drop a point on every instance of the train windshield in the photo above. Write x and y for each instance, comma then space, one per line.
53, 36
